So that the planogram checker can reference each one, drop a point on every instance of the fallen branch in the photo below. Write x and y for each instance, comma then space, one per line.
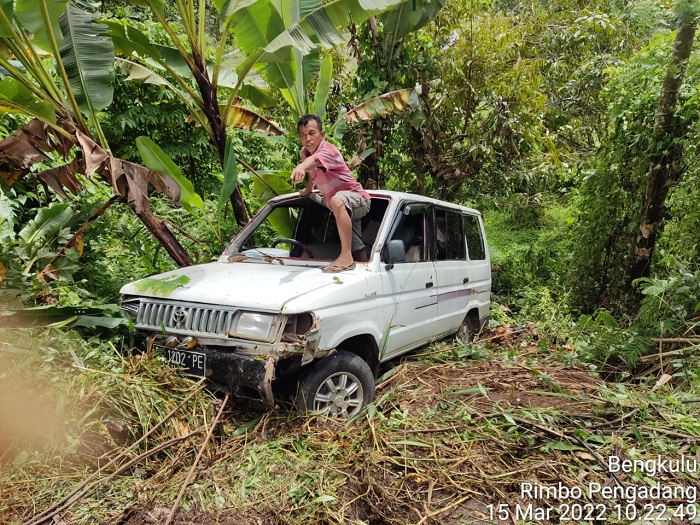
65, 501
614, 421
182, 231
689, 340
190, 475
680, 351
685, 437
114, 474
571, 439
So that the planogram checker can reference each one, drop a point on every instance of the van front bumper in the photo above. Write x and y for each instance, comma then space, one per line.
241, 372
243, 375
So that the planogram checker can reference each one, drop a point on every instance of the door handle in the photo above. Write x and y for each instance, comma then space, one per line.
465, 280
429, 284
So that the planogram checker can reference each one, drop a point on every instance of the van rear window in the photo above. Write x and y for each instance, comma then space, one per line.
475, 240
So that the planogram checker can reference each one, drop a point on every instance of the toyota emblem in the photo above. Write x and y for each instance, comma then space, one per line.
179, 315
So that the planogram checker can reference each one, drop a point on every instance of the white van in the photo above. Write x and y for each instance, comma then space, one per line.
265, 321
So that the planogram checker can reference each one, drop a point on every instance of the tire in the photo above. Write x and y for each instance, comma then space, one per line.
337, 386
465, 332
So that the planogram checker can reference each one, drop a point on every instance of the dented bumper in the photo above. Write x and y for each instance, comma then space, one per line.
243, 367
241, 372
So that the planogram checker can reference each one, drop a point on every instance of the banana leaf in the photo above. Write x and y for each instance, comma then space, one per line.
87, 53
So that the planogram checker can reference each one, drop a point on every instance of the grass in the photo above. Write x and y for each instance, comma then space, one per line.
454, 430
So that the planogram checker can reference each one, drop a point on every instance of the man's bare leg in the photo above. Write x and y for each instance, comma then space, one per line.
344, 224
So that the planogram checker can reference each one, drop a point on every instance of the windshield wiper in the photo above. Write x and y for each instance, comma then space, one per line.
237, 257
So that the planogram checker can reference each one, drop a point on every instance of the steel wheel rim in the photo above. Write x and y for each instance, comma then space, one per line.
463, 333
339, 396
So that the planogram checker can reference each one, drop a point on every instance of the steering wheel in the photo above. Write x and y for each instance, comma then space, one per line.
293, 242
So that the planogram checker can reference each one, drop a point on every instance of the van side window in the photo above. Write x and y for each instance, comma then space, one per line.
475, 240
449, 235
411, 230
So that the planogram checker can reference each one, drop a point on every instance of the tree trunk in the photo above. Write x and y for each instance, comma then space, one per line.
164, 236
664, 168
210, 107
375, 168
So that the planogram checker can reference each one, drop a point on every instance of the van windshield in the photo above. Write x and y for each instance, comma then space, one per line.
301, 228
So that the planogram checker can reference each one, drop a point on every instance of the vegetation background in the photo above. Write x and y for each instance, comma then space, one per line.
573, 127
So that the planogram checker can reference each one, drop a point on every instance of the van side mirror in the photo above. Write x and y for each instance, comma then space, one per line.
394, 251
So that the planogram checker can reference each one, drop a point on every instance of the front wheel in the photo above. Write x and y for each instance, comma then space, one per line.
338, 386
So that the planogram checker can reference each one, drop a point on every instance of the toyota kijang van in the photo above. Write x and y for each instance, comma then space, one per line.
265, 321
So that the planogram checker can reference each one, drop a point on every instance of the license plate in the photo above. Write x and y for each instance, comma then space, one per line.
194, 363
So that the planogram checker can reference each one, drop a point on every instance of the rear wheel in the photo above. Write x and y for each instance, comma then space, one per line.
465, 332
337, 386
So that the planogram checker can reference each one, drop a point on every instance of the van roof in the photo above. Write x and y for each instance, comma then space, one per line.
400, 196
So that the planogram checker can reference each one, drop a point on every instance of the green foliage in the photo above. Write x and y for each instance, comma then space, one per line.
100, 316
511, 103
88, 57
64, 30
7, 218
162, 286
38, 241
670, 308
604, 343
15, 96
610, 199
547, 311
122, 252
154, 158
230, 176
325, 76
266, 185
107, 257
139, 109
30, 15
529, 246
674, 301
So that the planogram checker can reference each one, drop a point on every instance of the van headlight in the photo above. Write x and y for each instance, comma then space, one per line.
251, 324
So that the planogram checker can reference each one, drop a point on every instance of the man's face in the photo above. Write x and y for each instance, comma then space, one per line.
311, 136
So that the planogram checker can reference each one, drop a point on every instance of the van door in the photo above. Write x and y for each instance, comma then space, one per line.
454, 277
410, 286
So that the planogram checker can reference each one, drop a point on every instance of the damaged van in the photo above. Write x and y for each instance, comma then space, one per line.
265, 321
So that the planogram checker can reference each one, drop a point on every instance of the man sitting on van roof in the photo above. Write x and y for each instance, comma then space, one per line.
342, 194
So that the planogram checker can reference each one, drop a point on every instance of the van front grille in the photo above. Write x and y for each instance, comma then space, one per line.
185, 317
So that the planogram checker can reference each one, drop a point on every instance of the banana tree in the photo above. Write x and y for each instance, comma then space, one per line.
280, 39
55, 66
387, 33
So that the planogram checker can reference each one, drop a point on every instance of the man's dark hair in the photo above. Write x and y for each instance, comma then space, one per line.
305, 119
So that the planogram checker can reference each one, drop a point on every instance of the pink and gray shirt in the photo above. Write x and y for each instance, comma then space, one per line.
333, 175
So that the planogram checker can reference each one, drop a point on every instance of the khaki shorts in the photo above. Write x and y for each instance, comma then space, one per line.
357, 207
